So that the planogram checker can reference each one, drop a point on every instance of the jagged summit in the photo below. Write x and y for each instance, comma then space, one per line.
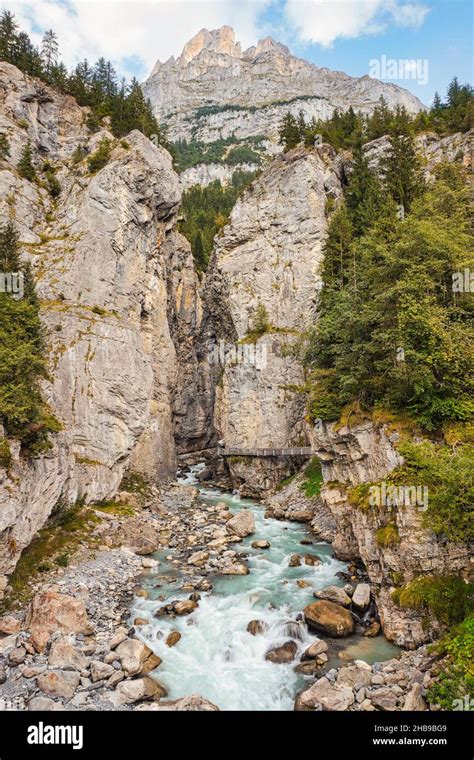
204, 93
216, 41
221, 42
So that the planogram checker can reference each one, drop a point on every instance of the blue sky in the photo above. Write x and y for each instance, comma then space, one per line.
444, 39
339, 34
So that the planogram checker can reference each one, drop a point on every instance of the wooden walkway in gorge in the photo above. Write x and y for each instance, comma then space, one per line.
292, 451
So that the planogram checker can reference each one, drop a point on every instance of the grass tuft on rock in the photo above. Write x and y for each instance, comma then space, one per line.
313, 479
387, 535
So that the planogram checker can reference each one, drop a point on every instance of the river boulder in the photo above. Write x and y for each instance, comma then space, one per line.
137, 690
295, 560
329, 618
312, 560
261, 544
242, 524
256, 627
314, 650
50, 612
323, 695
282, 654
361, 596
172, 638
193, 703
334, 594
136, 657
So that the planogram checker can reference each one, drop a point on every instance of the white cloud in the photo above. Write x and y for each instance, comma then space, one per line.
324, 21
122, 29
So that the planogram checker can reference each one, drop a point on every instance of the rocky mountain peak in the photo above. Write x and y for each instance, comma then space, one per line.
213, 72
264, 46
221, 41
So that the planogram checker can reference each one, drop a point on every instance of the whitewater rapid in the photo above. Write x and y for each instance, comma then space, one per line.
216, 657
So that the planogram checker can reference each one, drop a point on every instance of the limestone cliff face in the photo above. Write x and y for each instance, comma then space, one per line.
215, 89
365, 453
117, 287
432, 149
204, 174
269, 256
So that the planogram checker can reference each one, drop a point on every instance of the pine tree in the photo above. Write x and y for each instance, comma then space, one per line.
379, 123
4, 146
402, 172
364, 195
437, 104
80, 83
338, 263
49, 51
8, 37
198, 252
302, 126
27, 57
454, 93
138, 112
261, 322
10, 260
25, 165
289, 132
22, 355
59, 77
9, 248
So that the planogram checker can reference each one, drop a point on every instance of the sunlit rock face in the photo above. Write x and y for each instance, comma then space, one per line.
269, 256
216, 90
120, 304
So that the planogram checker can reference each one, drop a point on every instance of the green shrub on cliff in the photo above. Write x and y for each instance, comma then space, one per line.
25, 165
449, 475
100, 157
313, 479
5, 453
22, 356
4, 146
446, 597
387, 535
455, 683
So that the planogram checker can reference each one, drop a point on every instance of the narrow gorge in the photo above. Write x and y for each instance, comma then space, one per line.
150, 557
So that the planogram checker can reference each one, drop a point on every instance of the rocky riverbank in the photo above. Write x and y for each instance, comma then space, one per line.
75, 647
72, 648
397, 684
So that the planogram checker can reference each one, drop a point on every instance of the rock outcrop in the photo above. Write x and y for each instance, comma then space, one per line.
120, 303
268, 259
366, 453
204, 174
291, 503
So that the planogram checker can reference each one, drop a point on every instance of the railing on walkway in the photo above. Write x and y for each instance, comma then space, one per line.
292, 451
